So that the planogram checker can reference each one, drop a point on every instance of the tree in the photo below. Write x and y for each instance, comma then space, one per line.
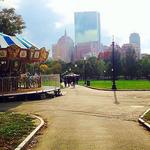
145, 66
94, 68
80, 68
107, 58
10, 22
43, 68
129, 64
56, 67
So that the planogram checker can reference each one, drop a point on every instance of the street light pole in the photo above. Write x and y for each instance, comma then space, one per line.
70, 69
84, 70
113, 66
104, 74
75, 68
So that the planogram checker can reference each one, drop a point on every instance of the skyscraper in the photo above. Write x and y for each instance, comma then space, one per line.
134, 39
87, 33
63, 49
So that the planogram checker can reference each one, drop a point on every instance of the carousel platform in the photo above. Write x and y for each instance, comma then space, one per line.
31, 94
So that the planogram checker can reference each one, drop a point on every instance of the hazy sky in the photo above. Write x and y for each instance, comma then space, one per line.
46, 20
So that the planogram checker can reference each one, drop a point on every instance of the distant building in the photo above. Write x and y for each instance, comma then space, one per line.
87, 34
135, 40
88, 49
107, 52
126, 47
104, 47
145, 55
105, 55
63, 50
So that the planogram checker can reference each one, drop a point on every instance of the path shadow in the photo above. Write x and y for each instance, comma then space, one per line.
115, 98
6, 106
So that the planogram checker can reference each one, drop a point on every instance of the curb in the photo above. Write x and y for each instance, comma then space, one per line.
98, 88
144, 123
101, 89
31, 135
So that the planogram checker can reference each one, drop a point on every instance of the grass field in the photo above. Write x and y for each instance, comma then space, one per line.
121, 84
50, 83
13, 129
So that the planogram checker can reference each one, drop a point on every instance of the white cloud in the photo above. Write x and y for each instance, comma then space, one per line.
58, 25
118, 17
10, 3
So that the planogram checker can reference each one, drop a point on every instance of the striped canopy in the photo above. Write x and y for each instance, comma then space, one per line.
6, 40
17, 48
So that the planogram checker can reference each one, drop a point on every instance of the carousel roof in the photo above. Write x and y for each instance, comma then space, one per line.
17, 48
6, 40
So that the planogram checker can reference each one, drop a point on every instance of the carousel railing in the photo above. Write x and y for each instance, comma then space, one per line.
19, 83
14, 84
8, 84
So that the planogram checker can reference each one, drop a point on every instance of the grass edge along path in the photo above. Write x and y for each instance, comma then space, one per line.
14, 128
147, 117
121, 84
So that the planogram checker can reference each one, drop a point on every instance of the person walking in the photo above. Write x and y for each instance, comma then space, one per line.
73, 81
65, 82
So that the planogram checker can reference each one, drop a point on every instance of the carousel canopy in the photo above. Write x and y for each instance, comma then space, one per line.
6, 40
17, 48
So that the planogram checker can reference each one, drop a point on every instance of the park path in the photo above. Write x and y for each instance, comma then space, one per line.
87, 119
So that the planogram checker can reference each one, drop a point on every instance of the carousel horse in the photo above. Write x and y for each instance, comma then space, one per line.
35, 81
28, 81
23, 81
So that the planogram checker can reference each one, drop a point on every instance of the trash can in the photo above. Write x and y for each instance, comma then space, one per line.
88, 83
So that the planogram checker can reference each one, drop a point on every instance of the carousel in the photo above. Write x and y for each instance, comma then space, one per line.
15, 54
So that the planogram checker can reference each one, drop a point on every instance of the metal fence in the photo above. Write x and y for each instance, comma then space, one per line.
8, 84
14, 84
50, 80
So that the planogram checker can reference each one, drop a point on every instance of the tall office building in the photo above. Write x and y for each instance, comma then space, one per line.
87, 33
63, 49
134, 39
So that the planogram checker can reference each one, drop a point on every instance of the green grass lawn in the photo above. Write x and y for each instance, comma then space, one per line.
147, 117
121, 84
13, 129
50, 83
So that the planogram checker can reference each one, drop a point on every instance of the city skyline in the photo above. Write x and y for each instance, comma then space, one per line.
47, 23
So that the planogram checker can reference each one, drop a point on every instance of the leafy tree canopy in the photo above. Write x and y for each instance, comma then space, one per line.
10, 22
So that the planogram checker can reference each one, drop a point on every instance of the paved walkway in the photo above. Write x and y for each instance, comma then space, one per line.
87, 119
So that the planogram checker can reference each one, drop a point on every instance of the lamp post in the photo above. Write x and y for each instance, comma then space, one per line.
75, 65
104, 74
70, 69
84, 70
66, 72
75, 68
113, 67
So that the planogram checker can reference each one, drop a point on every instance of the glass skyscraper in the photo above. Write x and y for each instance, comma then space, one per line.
87, 27
135, 39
